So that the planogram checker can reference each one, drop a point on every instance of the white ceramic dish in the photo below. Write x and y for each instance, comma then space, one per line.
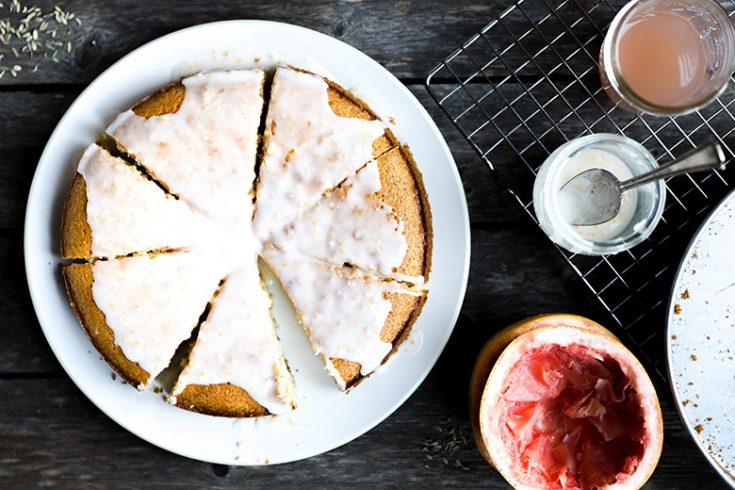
701, 339
325, 418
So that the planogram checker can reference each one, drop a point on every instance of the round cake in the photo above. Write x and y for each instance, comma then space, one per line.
172, 208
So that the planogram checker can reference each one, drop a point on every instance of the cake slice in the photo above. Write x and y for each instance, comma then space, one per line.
113, 210
354, 322
377, 220
316, 135
236, 368
137, 310
199, 138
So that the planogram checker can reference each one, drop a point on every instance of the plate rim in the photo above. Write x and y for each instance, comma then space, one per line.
727, 477
419, 109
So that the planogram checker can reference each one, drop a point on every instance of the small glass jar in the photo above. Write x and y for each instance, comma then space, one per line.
641, 208
708, 22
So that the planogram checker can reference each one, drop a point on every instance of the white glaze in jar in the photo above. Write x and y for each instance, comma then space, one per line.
641, 207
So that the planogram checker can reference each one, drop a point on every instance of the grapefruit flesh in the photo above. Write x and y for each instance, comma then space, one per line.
571, 418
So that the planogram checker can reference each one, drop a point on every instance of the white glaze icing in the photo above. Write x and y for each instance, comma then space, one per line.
308, 149
311, 151
206, 150
153, 303
343, 312
127, 213
237, 344
350, 224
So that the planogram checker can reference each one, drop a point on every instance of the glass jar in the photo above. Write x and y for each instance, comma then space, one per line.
675, 26
641, 208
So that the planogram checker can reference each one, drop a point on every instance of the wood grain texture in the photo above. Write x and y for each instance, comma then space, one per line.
66, 442
404, 36
53, 436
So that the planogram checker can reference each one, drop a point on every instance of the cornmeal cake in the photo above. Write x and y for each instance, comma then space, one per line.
377, 220
354, 322
199, 138
236, 367
113, 210
166, 219
137, 310
316, 135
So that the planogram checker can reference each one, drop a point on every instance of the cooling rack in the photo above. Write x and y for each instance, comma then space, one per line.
527, 83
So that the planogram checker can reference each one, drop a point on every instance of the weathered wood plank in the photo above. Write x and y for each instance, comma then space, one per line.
23, 348
64, 441
407, 37
27, 121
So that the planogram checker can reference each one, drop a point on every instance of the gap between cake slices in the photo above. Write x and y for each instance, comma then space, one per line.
114, 210
199, 138
377, 221
354, 322
316, 134
237, 342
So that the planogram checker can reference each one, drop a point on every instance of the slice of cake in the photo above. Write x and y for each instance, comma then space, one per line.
377, 220
353, 322
113, 210
199, 138
316, 135
137, 310
236, 367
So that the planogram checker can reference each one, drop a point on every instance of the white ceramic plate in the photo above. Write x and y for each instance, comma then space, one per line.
325, 418
701, 339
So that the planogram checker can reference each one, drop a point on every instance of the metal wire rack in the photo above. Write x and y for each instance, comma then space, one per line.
527, 83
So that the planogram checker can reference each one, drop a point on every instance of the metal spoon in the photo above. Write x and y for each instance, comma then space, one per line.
598, 194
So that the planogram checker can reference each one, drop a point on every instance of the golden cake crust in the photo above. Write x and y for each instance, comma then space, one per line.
78, 280
224, 400
402, 184
344, 104
405, 309
166, 100
402, 188
76, 235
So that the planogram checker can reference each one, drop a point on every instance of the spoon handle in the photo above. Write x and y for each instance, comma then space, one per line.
707, 157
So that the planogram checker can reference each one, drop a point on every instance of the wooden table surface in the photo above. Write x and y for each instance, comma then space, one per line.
51, 435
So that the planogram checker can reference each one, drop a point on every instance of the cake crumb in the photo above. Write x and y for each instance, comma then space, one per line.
674, 337
677, 309
685, 294
113, 376
685, 402
157, 390
699, 428
694, 357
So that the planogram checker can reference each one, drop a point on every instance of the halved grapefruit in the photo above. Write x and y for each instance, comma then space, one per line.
557, 402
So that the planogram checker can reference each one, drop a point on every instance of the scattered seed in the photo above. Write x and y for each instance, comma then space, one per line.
30, 33
443, 449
